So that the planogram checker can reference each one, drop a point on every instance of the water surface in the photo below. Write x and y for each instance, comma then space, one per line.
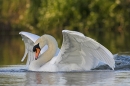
18, 76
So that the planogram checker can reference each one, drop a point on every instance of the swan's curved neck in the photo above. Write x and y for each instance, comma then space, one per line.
52, 48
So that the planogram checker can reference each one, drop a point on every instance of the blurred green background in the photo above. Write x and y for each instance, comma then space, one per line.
106, 21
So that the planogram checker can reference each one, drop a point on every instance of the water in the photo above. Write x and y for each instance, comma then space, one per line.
17, 75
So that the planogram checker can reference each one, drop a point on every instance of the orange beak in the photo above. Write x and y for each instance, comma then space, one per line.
37, 53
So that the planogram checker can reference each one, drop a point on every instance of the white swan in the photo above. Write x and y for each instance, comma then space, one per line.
78, 52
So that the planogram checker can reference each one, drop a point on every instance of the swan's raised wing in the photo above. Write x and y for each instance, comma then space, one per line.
83, 51
29, 40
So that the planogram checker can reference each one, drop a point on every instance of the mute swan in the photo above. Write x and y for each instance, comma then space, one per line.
78, 52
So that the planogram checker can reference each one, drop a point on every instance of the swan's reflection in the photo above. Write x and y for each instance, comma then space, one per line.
82, 78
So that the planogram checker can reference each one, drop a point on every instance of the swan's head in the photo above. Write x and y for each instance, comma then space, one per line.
38, 45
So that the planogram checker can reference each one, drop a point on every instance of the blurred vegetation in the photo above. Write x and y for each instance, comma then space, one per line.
107, 21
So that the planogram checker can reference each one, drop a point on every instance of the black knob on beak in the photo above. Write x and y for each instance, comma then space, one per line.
36, 46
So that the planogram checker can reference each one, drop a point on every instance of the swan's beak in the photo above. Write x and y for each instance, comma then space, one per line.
37, 52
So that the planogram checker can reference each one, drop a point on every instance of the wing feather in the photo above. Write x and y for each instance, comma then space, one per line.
83, 51
25, 54
29, 40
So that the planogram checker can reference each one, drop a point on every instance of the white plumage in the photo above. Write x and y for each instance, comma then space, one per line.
77, 53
